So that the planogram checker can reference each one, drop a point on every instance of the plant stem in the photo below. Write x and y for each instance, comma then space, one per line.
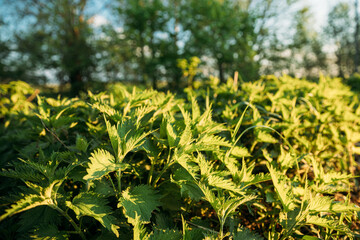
161, 173
113, 185
72, 222
119, 181
151, 170
221, 232
167, 165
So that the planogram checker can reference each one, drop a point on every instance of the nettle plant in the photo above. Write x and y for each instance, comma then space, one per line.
267, 161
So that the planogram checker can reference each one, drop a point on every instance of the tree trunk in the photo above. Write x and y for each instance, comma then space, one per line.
154, 82
76, 81
221, 71
339, 63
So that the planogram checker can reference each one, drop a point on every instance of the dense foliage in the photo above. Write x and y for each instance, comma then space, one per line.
271, 159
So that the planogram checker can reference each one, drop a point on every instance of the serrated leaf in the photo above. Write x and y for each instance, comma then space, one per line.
326, 223
187, 185
139, 230
171, 134
135, 141
185, 136
209, 143
246, 234
326, 204
114, 138
283, 189
165, 234
285, 159
104, 108
219, 182
265, 137
310, 238
26, 203
141, 200
184, 161
334, 177
102, 187
94, 205
42, 215
81, 143
49, 232
101, 163
240, 152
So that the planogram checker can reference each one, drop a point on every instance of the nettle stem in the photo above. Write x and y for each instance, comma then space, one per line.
72, 222
119, 180
113, 186
167, 165
221, 232
151, 171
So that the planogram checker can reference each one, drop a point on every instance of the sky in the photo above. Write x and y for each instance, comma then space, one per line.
320, 9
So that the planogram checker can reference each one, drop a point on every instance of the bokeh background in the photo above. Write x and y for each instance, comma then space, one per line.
73, 45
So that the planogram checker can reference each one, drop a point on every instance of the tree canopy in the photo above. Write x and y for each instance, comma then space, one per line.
143, 40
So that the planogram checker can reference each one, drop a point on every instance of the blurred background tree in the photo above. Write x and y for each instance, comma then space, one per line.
340, 30
222, 31
141, 41
56, 41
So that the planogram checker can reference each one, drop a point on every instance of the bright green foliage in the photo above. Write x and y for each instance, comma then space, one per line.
101, 163
140, 201
28, 202
272, 159
245, 233
93, 205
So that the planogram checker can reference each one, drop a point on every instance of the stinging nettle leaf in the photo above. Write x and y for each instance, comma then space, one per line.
240, 152
140, 201
94, 205
26, 203
101, 163
265, 137
114, 138
165, 234
81, 143
283, 189
171, 134
244, 233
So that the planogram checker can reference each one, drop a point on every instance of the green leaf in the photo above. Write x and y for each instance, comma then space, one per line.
326, 223
139, 231
246, 234
141, 200
114, 138
135, 141
49, 232
220, 182
94, 205
26, 203
326, 204
240, 152
165, 234
102, 187
286, 159
81, 143
310, 238
212, 140
187, 185
101, 163
265, 137
185, 136
283, 189
171, 134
